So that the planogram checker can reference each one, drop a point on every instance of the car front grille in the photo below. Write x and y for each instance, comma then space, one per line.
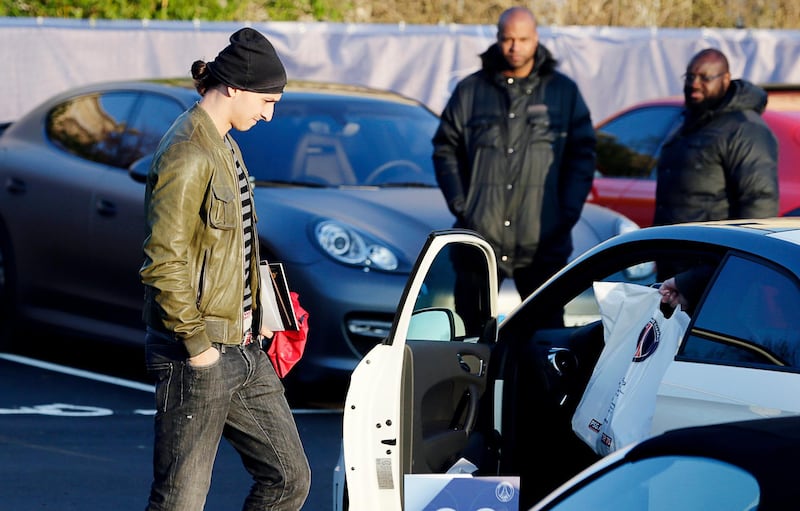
363, 331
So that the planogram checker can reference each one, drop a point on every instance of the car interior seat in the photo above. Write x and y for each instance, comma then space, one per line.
321, 158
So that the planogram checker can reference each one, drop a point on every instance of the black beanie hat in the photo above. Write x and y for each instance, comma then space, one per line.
249, 63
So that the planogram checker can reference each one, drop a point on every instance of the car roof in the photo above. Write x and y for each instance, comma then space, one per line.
767, 448
764, 226
764, 237
307, 88
183, 90
735, 230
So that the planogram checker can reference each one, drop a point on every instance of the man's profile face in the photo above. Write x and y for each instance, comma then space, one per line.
706, 82
251, 107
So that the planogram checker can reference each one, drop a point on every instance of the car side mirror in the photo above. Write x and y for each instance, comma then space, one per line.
138, 170
432, 324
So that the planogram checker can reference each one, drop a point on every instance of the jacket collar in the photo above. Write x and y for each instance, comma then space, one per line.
493, 62
201, 119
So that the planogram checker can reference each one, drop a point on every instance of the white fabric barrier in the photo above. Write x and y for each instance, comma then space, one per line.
614, 67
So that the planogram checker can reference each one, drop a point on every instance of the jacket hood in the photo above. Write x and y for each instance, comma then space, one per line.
492, 60
743, 95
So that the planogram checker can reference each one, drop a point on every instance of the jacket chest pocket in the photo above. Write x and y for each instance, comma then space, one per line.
541, 124
485, 132
222, 210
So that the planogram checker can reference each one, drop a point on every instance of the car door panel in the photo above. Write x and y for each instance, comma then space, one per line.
696, 394
412, 405
741, 352
80, 136
446, 396
115, 249
54, 186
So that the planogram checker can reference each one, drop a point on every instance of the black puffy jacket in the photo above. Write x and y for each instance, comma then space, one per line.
721, 165
515, 158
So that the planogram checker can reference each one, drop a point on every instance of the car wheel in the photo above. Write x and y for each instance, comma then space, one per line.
7, 277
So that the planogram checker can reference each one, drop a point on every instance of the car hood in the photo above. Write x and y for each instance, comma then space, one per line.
401, 218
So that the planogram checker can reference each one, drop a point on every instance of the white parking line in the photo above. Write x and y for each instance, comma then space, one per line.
124, 383
78, 372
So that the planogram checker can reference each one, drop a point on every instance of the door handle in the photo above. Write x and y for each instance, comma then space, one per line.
472, 364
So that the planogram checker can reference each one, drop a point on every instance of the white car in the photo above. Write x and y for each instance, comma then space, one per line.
449, 383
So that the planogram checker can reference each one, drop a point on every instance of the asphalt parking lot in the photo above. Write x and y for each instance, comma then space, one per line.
72, 439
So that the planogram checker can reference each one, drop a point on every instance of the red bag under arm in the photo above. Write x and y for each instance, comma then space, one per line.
287, 346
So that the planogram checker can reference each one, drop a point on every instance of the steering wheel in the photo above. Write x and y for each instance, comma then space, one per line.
389, 165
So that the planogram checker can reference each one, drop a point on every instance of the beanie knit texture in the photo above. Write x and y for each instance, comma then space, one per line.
249, 63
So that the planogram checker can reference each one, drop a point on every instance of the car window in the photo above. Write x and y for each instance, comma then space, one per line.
341, 143
628, 146
667, 483
747, 318
91, 126
152, 118
457, 285
635, 267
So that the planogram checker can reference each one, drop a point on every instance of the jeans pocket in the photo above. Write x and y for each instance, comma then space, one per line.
162, 374
203, 382
161, 361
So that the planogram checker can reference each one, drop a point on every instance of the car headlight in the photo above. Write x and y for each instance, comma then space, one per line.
346, 245
641, 270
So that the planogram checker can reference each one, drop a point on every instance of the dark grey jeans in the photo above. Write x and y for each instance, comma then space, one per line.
240, 398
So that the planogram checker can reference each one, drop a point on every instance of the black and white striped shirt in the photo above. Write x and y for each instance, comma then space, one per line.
247, 224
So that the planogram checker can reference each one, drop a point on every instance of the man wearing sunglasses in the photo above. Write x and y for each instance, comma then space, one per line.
722, 161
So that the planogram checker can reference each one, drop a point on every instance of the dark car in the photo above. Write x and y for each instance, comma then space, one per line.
344, 189
738, 465
450, 383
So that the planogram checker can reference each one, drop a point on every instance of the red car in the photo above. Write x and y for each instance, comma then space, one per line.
629, 143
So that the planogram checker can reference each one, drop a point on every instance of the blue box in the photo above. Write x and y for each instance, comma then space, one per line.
460, 492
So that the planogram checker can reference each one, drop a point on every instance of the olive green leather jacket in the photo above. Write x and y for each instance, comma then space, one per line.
193, 270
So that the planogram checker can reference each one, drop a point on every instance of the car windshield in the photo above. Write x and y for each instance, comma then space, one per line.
341, 141
705, 484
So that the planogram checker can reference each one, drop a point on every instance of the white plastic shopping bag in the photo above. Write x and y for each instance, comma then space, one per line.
640, 342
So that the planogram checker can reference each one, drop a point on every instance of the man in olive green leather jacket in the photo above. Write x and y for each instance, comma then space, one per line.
201, 280
190, 291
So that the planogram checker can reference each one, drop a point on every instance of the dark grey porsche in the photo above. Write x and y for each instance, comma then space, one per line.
345, 196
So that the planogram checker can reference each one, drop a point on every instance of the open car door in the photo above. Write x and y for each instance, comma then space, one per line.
414, 401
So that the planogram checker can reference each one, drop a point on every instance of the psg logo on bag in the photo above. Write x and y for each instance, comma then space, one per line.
648, 341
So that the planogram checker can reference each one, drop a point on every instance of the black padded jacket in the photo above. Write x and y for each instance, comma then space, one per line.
515, 158
723, 164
